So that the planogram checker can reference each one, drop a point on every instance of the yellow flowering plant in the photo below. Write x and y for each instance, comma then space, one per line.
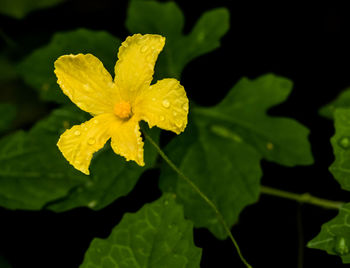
118, 105
91, 152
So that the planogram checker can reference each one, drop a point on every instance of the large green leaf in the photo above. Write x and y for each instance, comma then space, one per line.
155, 236
33, 171
167, 19
335, 235
8, 113
340, 168
20, 8
342, 101
221, 153
38, 68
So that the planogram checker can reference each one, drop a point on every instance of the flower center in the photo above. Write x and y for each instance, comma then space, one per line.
122, 110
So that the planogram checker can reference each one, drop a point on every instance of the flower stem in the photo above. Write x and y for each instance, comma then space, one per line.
302, 198
202, 195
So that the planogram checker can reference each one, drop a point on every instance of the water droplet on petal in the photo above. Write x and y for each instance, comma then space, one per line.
91, 141
144, 49
344, 142
77, 133
87, 87
178, 123
185, 107
166, 103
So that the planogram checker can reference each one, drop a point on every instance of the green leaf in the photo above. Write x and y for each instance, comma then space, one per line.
8, 113
335, 235
155, 236
20, 8
38, 68
222, 148
34, 173
167, 19
342, 101
340, 168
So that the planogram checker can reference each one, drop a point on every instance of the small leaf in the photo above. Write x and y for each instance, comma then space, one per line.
38, 68
342, 101
20, 8
8, 113
335, 235
221, 153
340, 168
167, 19
155, 236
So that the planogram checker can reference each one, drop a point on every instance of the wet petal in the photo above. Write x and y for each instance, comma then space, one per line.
127, 141
135, 67
165, 105
86, 82
79, 143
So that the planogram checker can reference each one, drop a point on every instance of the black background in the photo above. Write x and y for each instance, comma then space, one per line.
306, 44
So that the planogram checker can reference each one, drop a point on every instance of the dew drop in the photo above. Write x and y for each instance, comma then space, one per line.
185, 107
162, 118
269, 146
344, 142
91, 141
166, 103
92, 204
77, 133
144, 49
178, 123
87, 87
341, 247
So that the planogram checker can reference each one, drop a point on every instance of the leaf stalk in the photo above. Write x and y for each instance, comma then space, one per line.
202, 195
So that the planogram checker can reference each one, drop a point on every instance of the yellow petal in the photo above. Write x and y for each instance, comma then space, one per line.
164, 104
135, 67
86, 82
79, 143
127, 141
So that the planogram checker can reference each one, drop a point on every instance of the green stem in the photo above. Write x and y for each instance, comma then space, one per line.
202, 195
302, 198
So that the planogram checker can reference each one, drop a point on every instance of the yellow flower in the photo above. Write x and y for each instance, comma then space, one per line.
118, 105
